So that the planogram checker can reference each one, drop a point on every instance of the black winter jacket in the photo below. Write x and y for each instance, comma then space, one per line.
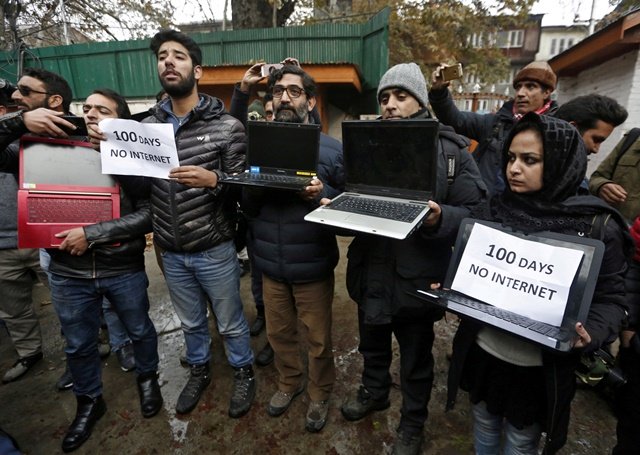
286, 247
187, 219
607, 312
381, 270
490, 130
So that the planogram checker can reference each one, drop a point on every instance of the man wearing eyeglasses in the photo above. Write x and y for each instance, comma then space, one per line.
41, 98
297, 260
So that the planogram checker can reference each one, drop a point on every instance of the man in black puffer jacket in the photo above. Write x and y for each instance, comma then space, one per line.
194, 220
297, 259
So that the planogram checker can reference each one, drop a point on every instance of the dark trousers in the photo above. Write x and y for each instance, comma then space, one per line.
628, 405
415, 338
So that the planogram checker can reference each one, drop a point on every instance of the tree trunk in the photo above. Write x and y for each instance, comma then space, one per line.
259, 13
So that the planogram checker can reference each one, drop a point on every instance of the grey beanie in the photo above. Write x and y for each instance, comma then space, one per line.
408, 77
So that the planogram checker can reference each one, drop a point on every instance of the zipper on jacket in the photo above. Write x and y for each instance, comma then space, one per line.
554, 410
93, 266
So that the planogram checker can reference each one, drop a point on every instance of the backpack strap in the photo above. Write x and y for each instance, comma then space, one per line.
629, 139
598, 226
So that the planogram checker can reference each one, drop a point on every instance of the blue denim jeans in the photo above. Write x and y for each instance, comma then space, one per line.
117, 331
488, 429
215, 273
78, 303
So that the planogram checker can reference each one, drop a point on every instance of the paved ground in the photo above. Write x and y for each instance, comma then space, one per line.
38, 416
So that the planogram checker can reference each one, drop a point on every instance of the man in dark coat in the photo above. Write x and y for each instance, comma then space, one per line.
381, 270
533, 87
297, 259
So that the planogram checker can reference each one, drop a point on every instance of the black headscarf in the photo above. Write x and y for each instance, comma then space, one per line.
555, 207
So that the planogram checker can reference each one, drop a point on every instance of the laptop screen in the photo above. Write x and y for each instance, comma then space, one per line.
49, 164
275, 146
394, 154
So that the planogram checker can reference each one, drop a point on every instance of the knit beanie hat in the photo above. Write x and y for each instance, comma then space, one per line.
408, 77
539, 72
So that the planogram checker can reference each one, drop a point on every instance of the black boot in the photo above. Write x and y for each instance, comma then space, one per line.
149, 392
87, 414
199, 379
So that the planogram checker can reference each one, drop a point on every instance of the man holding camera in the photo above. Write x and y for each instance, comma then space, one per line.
41, 98
533, 87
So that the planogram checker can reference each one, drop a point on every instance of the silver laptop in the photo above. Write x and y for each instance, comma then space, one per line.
280, 155
390, 175
556, 337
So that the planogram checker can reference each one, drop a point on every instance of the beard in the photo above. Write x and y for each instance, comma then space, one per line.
180, 89
289, 114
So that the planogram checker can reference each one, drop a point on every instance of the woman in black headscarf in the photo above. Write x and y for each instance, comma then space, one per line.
518, 390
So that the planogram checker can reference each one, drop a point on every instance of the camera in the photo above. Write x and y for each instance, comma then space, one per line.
7, 88
254, 116
269, 68
599, 368
452, 72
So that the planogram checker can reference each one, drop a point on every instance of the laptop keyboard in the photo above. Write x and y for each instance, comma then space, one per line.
399, 211
69, 210
272, 178
522, 321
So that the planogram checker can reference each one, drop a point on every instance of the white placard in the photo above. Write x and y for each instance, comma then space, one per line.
132, 148
525, 277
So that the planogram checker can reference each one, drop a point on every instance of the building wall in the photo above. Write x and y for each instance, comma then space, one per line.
618, 78
548, 34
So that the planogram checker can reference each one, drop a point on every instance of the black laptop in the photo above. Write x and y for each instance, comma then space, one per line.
557, 337
280, 155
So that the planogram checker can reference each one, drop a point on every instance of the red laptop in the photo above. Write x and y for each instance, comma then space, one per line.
61, 186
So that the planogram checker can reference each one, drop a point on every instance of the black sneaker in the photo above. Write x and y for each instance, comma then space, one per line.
126, 357
244, 391
408, 443
265, 356
199, 379
362, 405
66, 380
20, 367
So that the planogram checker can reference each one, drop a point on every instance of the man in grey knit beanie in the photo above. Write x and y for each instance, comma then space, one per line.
408, 77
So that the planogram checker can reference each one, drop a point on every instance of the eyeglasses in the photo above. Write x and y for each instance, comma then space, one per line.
26, 91
292, 90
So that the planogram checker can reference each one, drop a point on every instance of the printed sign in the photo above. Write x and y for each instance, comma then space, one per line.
132, 148
526, 277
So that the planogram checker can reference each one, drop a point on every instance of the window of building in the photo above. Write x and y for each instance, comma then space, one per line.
561, 47
554, 43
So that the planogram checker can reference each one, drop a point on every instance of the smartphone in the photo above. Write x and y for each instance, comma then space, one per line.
452, 72
79, 123
269, 68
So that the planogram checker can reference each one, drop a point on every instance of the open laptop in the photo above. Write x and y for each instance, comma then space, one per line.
61, 186
391, 170
280, 155
556, 337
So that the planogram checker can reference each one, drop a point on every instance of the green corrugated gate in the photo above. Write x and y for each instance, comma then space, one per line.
129, 67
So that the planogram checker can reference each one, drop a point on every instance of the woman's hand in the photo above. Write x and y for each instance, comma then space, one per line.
583, 339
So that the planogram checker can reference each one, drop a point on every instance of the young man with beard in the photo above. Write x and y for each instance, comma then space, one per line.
297, 260
381, 271
533, 87
193, 220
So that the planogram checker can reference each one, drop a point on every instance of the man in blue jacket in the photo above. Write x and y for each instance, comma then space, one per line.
297, 260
